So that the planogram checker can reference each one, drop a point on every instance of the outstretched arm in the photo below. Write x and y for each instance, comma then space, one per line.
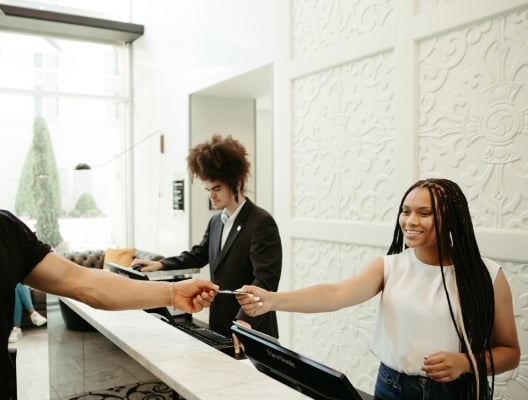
318, 298
104, 290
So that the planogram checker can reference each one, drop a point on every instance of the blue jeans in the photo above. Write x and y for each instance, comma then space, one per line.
22, 299
393, 385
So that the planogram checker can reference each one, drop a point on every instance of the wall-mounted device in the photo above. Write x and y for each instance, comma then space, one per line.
178, 194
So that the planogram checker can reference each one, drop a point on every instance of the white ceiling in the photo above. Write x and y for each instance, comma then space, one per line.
255, 84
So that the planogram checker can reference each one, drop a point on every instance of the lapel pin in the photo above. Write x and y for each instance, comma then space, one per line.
239, 227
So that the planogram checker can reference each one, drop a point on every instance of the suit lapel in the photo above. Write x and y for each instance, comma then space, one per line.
215, 238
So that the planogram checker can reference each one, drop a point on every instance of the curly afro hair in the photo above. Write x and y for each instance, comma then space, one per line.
220, 159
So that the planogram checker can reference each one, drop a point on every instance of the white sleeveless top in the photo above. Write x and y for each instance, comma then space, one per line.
413, 318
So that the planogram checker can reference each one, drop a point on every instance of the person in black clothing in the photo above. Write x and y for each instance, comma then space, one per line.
24, 258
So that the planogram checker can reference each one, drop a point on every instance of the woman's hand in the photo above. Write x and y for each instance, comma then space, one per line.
254, 300
239, 346
445, 367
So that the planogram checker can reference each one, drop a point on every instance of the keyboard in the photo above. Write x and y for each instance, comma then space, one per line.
206, 335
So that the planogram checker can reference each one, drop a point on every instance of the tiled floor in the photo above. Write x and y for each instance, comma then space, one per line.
32, 364
79, 361
86, 361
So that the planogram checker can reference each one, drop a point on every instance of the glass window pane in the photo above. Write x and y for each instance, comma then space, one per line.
68, 66
80, 91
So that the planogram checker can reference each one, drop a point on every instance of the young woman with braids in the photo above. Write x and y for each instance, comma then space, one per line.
445, 319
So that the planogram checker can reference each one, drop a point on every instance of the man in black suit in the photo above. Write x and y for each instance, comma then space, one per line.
241, 244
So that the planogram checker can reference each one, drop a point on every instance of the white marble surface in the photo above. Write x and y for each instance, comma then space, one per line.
190, 367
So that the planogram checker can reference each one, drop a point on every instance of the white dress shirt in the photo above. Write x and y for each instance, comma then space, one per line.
228, 221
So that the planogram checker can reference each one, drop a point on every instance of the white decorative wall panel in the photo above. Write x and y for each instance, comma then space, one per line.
473, 121
341, 339
321, 24
424, 5
344, 141
440, 90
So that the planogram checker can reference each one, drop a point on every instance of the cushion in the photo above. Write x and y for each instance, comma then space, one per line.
120, 256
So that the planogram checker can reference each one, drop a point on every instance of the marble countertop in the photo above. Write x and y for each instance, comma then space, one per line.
192, 368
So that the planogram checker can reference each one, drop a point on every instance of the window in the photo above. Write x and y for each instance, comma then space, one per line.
80, 90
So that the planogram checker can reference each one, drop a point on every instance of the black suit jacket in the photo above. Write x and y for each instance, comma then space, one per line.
252, 254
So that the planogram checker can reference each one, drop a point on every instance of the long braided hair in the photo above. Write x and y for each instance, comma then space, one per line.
456, 240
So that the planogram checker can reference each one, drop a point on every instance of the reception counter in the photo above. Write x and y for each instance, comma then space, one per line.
190, 367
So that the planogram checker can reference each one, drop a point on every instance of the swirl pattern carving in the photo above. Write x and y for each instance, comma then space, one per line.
473, 116
320, 24
343, 142
340, 338
427, 4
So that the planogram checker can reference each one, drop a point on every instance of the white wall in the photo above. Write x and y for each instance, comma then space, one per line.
369, 97
225, 116
263, 195
187, 46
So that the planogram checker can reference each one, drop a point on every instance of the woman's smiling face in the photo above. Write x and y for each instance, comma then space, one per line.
417, 224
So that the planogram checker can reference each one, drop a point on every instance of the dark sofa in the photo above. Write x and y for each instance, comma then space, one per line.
95, 258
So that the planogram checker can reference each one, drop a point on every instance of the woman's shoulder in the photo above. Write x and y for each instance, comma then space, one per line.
397, 258
492, 266
404, 263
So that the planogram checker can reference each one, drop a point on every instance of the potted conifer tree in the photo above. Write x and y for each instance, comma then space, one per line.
38, 194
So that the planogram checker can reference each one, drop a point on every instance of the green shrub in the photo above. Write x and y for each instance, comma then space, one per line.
38, 194
86, 207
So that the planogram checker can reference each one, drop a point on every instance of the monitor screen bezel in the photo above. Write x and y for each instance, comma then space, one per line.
251, 338
128, 271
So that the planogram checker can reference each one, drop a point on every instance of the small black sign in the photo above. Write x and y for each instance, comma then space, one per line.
177, 194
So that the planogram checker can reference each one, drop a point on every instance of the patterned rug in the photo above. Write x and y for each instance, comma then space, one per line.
136, 391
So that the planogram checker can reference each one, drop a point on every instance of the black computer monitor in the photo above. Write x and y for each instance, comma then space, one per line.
301, 373
127, 271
